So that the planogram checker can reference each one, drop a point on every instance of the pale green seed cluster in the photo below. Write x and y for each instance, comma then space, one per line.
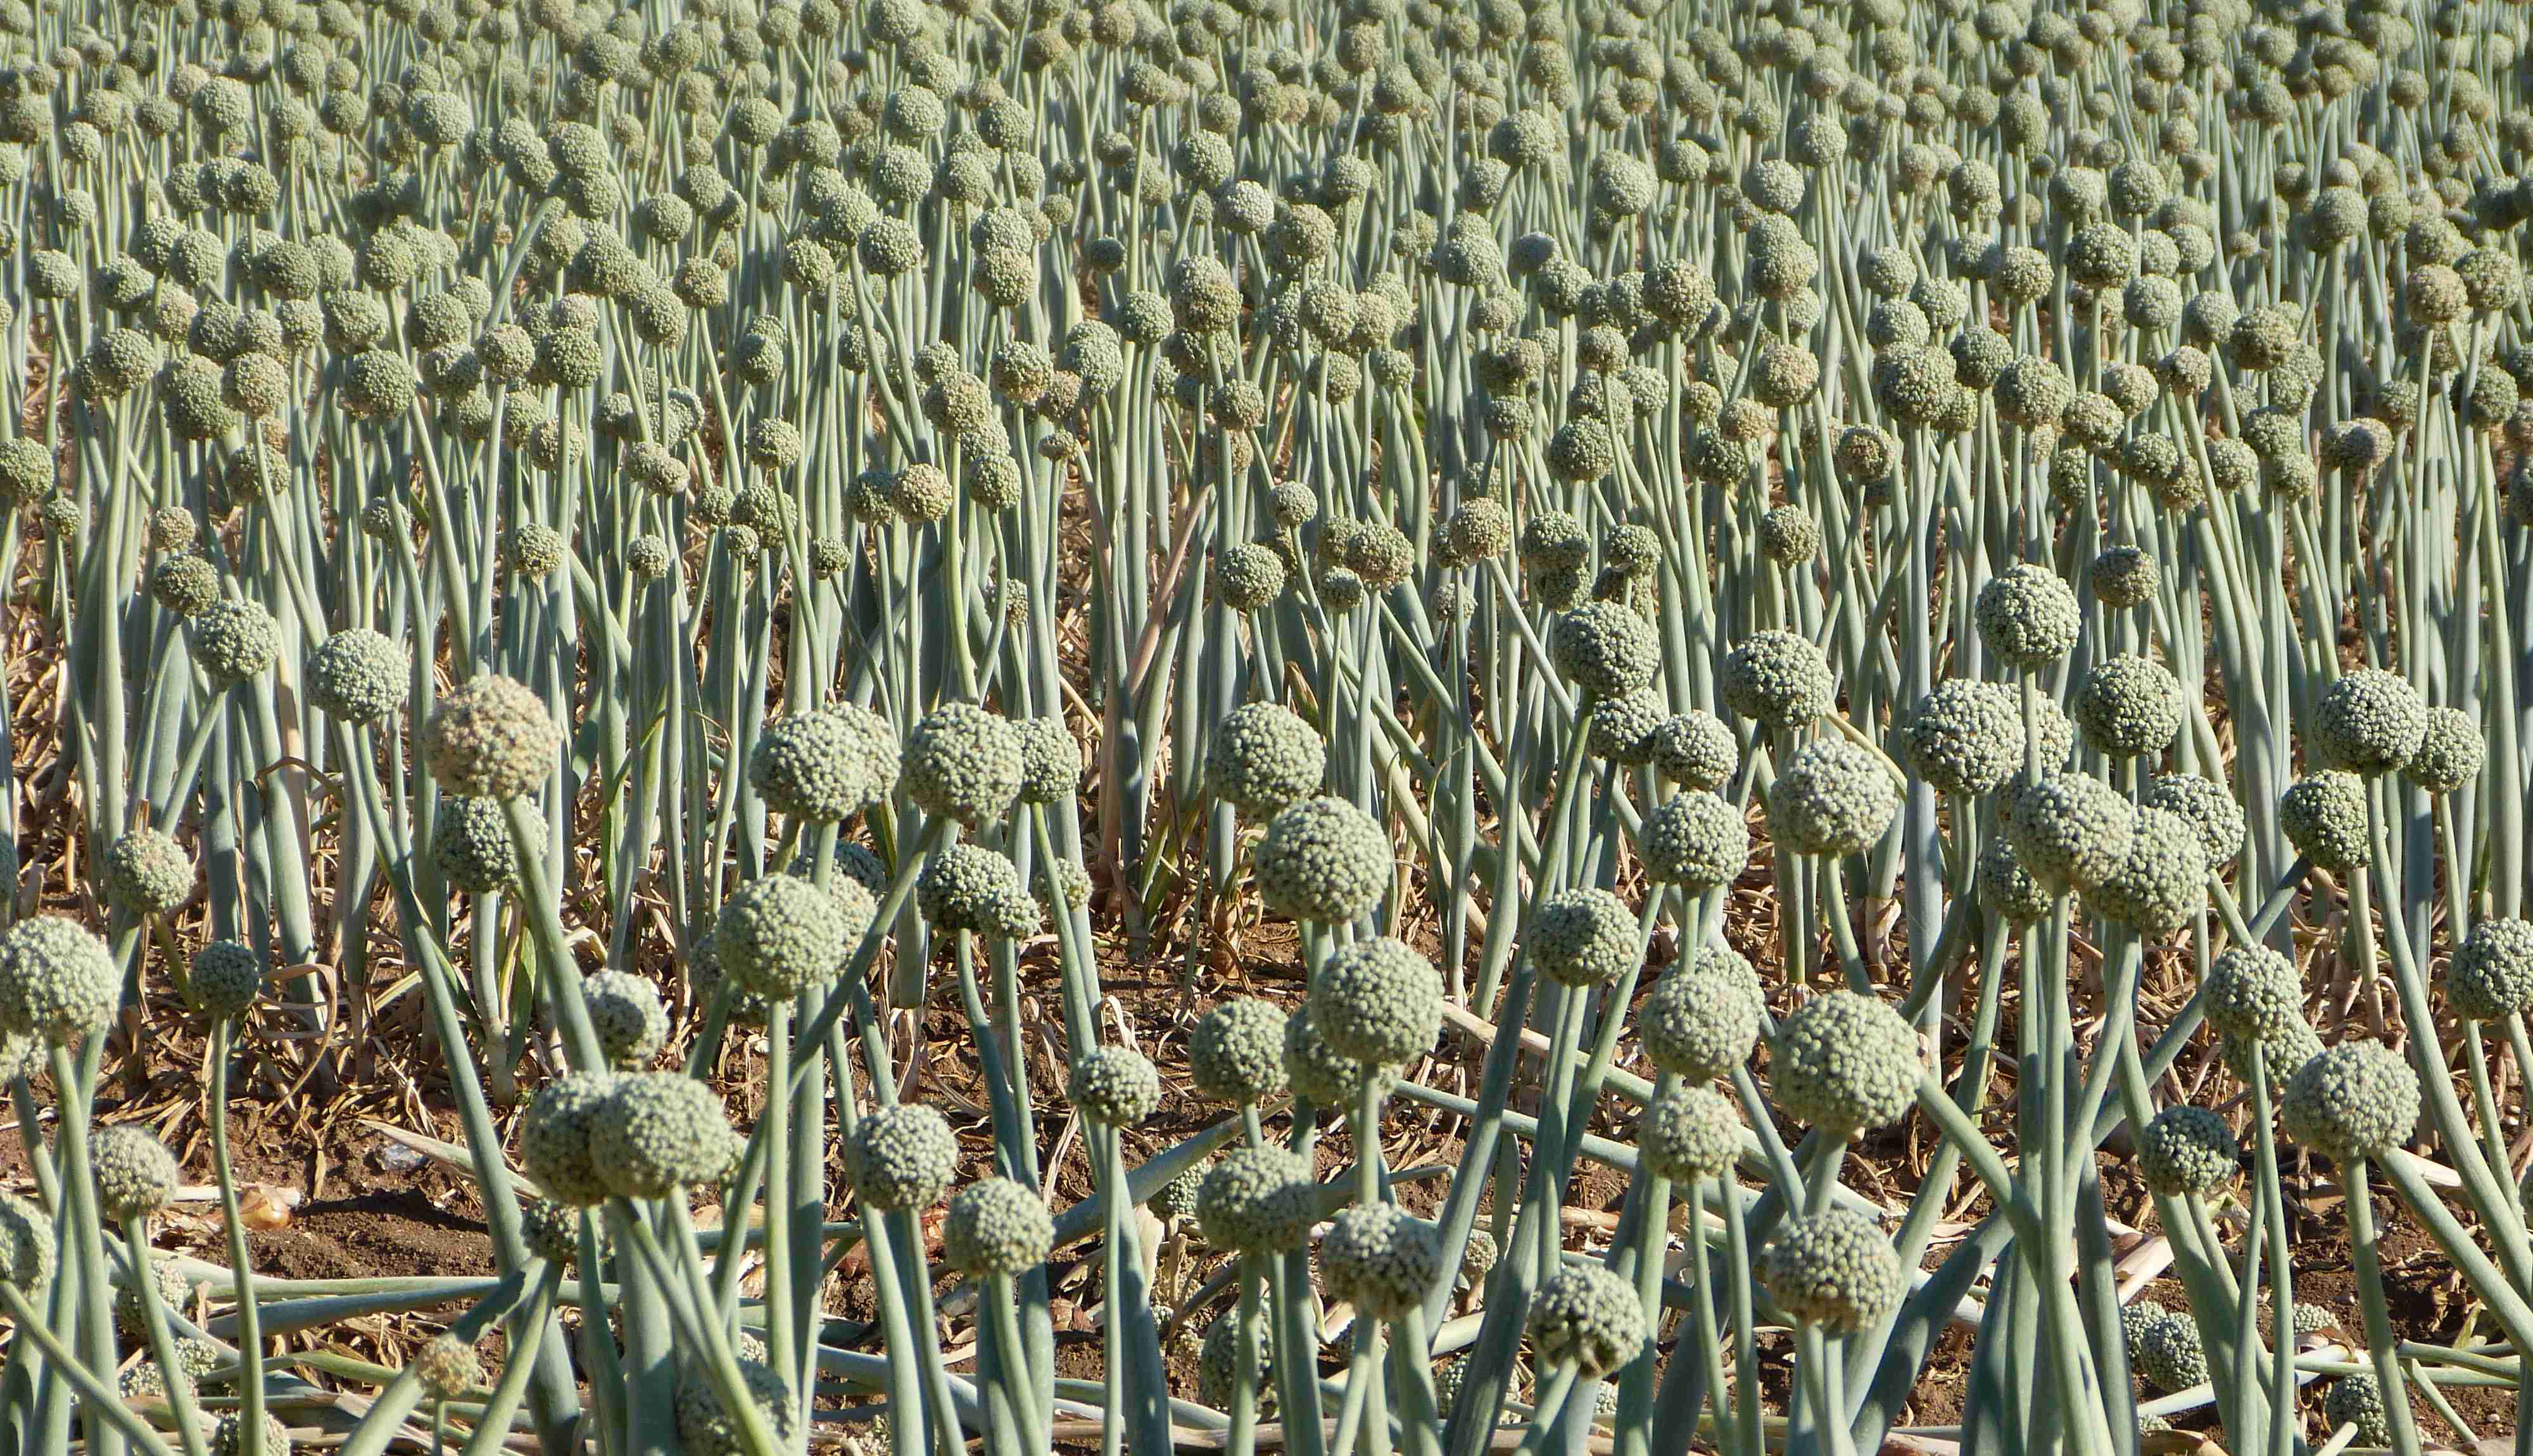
1834, 1269
1584, 937
2351, 1101
491, 739
1702, 1019
1381, 1259
995, 1226
1832, 797
359, 676
1257, 1201
2164, 1347
1114, 1086
1262, 757
1586, 1317
2325, 818
963, 763
1236, 1052
1843, 1062
1378, 1001
147, 873
1695, 840
900, 1157
2187, 1149
1688, 1134
1324, 861
2490, 974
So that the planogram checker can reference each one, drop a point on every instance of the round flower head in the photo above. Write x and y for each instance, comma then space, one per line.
1323, 860
1967, 737
996, 1227
625, 1011
2160, 883
1236, 1053
1249, 577
2069, 829
186, 586
57, 982
534, 549
2164, 1347
2187, 1149
1552, 540
963, 763
1262, 757
970, 888
2128, 706
224, 978
2351, 1101
1583, 936
1695, 839
1177, 1197
1844, 1063
2254, 993
1833, 1269
554, 1138
1257, 1201
1317, 1071
358, 675
2006, 890
2492, 972
1114, 1086
1622, 730
2210, 810
1605, 649
1051, 761
706, 1426
136, 1174
235, 640
2450, 752
1219, 1357
877, 742
1586, 1317
2325, 818
657, 1132
1294, 504
1475, 531
2028, 617
2124, 577
900, 1157
448, 1368
1778, 679
26, 1245
147, 873
814, 766
1695, 750
1378, 1001
491, 739
778, 936
2357, 1399
26, 470
471, 846
1068, 888
1379, 1259
231, 1436
1831, 797
2370, 722
2279, 1058
1688, 1135
1702, 1019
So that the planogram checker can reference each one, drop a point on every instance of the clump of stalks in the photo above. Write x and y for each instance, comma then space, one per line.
1909, 625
